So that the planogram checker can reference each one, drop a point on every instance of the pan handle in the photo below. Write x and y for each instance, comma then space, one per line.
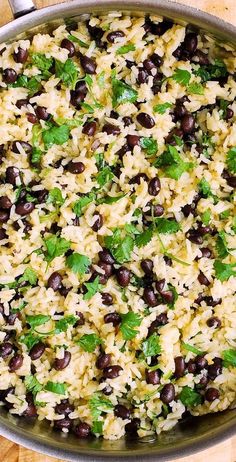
21, 7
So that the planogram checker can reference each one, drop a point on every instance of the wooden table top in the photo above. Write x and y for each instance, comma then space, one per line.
224, 452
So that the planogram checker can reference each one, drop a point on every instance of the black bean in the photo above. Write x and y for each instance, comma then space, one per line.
75, 167
212, 394
88, 64
137, 178
123, 276
89, 128
26, 146
194, 236
24, 208
104, 360
167, 393
157, 82
149, 65
64, 408
42, 113
81, 87
107, 268
96, 34
147, 266
81, 320
145, 120
54, 281
106, 257
203, 279
149, 296
111, 129
68, 45
112, 372
112, 36
107, 299
21, 102
130, 64
142, 76
215, 369
206, 252
4, 216
229, 113
3, 234
202, 230
20, 56
107, 390
37, 351
190, 42
32, 118
30, 411
82, 430
62, 423
5, 203
203, 382
157, 210
180, 111
152, 377
191, 366
9, 75
160, 285
77, 97
212, 302
171, 138
231, 181
127, 121
98, 223
6, 348
132, 427
122, 411
154, 186
214, 322
200, 58
15, 362
11, 174
62, 363
201, 362
113, 318
187, 123
179, 367
167, 296
188, 209
133, 140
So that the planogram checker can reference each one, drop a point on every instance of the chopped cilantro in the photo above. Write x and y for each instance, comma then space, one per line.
191, 348
36, 155
181, 76
190, 397
55, 197
129, 321
55, 135
221, 245
55, 247
162, 108
62, 324
104, 176
223, 271
110, 199
151, 346
89, 342
83, 202
78, 263
125, 49
92, 288
145, 237
212, 71
30, 276
37, 320
101, 79
229, 357
81, 43
97, 427
167, 225
98, 404
195, 88
206, 217
120, 247
67, 72
56, 387
41, 61
29, 339
172, 163
231, 160
149, 145
122, 93
32, 384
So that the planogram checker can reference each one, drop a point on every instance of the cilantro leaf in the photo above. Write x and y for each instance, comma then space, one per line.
151, 346
89, 342
78, 263
55, 247
101, 79
149, 145
223, 271
167, 225
32, 84
41, 61
229, 357
122, 93
204, 188
195, 88
32, 384
125, 49
221, 245
63, 323
92, 288
67, 72
56, 387
36, 156
206, 217
129, 321
120, 247
145, 237
56, 135
104, 176
231, 160
83, 202
175, 296
37, 320
55, 197
191, 348
172, 163
162, 108
110, 199
99, 404
29, 339
212, 71
181, 76
190, 397
81, 43
30, 276
97, 427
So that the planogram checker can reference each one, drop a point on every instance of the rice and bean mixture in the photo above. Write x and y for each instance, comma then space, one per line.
117, 263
